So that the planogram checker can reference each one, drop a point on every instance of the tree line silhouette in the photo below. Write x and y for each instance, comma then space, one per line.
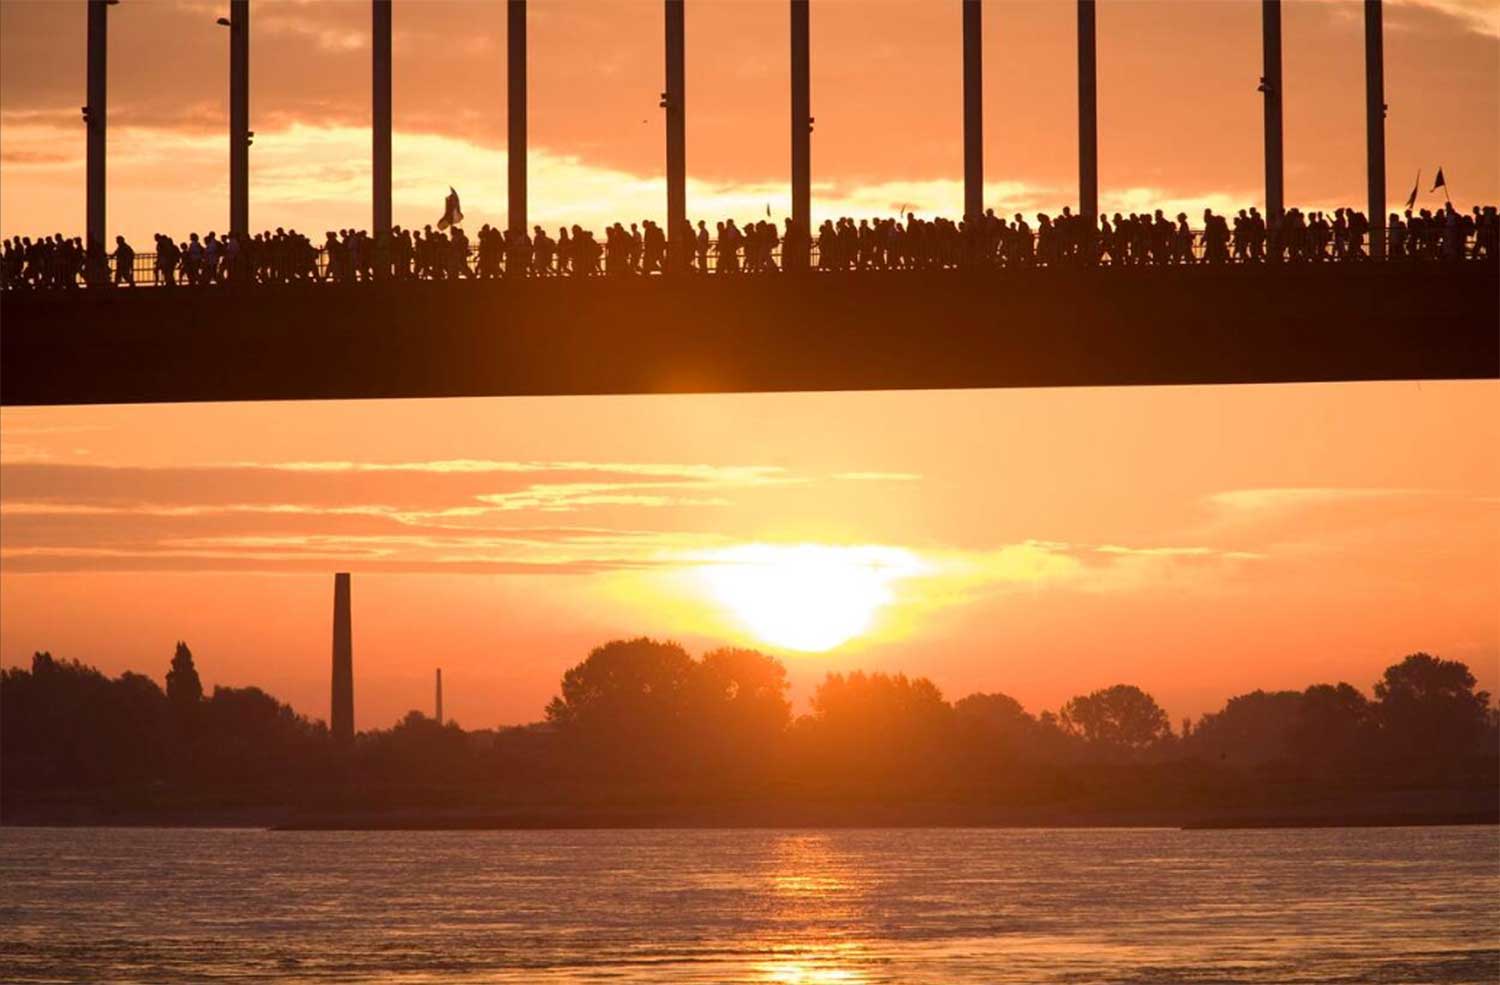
643, 722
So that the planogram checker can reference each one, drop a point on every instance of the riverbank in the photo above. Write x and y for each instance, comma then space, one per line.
1410, 809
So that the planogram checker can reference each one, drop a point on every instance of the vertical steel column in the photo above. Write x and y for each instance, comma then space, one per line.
515, 145
1088, 115
973, 110
1270, 86
94, 115
380, 105
1375, 122
801, 133
674, 100
239, 117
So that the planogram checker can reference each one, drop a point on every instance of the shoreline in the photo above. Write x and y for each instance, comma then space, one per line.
861, 817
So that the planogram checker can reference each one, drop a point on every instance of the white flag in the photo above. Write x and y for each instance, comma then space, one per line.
452, 214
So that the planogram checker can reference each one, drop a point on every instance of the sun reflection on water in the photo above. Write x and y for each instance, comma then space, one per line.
807, 973
807, 868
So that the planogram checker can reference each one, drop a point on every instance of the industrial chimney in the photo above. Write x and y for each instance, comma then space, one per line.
440, 695
342, 717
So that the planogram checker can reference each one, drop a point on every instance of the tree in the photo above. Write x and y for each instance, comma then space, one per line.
50, 722
1427, 707
419, 751
869, 729
135, 718
622, 708
870, 702
737, 699
242, 735
1331, 726
1251, 728
624, 683
1122, 718
184, 689
994, 724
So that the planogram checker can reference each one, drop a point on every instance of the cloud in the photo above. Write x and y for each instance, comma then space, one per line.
1177, 552
878, 476
722, 473
467, 515
1480, 16
567, 497
411, 485
1294, 497
421, 513
1382, 531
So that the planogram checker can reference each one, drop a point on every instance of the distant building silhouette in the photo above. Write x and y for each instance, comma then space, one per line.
342, 716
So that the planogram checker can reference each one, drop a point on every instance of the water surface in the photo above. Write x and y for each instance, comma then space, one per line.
1410, 905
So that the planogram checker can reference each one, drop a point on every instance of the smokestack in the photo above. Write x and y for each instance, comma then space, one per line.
342, 717
440, 695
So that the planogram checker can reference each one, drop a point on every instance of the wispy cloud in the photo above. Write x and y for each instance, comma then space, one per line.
709, 473
1178, 552
878, 476
1481, 16
465, 515
469, 513
1291, 497
568, 497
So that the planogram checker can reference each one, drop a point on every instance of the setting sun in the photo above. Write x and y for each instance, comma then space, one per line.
809, 597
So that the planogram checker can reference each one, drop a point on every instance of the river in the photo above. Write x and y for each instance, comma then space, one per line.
1410, 905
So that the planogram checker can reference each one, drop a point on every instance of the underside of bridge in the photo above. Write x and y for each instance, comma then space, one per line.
752, 333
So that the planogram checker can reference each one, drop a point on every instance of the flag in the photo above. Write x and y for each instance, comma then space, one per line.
1411, 200
1441, 181
452, 214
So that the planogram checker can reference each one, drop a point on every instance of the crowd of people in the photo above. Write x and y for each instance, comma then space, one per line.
759, 246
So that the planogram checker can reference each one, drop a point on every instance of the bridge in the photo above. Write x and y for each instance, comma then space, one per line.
1064, 325
855, 330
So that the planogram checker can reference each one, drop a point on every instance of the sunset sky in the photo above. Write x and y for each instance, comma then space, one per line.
1198, 542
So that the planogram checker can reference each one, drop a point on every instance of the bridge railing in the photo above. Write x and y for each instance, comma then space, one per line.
278, 266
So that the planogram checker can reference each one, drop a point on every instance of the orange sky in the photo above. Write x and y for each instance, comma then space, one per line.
1179, 115
1196, 541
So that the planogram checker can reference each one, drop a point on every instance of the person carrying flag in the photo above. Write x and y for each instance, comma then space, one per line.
452, 214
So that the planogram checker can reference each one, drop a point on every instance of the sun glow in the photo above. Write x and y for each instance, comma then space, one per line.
808, 597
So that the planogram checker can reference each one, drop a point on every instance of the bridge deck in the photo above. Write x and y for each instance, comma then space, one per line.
855, 331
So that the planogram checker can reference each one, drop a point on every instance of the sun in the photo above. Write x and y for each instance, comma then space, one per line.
807, 597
